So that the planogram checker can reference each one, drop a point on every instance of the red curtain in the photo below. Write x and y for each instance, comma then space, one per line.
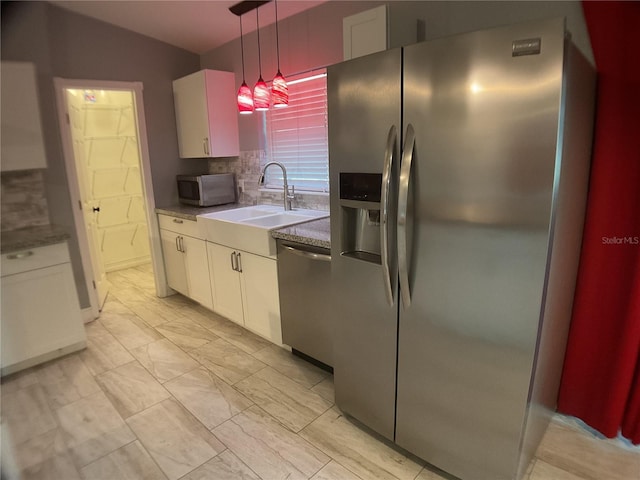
601, 377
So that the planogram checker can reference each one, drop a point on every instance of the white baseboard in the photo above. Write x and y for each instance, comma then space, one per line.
87, 315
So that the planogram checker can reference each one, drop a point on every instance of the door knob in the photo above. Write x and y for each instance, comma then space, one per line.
96, 209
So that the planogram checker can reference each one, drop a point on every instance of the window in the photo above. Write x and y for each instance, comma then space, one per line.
297, 135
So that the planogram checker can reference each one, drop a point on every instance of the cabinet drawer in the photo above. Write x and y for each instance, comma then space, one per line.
180, 225
34, 258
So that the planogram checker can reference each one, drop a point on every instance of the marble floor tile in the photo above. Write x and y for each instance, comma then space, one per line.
428, 473
334, 471
268, 448
225, 466
186, 334
26, 414
207, 397
174, 438
131, 462
113, 305
18, 380
287, 401
66, 380
54, 468
150, 316
326, 389
103, 351
567, 446
544, 471
92, 428
131, 388
226, 361
164, 360
358, 451
242, 338
18, 457
129, 329
295, 368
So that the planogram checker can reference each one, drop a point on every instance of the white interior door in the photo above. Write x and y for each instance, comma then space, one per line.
107, 160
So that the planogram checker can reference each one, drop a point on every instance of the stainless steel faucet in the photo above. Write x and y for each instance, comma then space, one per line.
288, 197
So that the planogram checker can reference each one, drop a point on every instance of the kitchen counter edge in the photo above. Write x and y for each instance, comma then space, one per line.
316, 233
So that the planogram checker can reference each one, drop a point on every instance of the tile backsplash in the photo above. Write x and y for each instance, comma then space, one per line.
247, 168
23, 200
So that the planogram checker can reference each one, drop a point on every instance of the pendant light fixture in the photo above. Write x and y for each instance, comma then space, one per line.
279, 87
261, 95
245, 97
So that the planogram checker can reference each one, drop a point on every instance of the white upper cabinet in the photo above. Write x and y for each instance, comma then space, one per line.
365, 33
22, 141
206, 114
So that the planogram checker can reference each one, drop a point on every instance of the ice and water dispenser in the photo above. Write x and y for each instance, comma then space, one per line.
360, 209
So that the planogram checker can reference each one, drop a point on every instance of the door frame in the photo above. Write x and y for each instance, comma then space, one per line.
61, 84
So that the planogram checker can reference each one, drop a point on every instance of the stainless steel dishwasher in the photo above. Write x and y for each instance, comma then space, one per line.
304, 273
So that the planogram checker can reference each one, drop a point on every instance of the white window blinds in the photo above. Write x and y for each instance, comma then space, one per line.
297, 135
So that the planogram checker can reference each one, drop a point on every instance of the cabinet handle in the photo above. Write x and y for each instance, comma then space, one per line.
205, 145
177, 220
233, 258
239, 262
178, 243
17, 256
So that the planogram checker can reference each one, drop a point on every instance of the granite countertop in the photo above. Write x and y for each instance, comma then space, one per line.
190, 212
32, 237
316, 233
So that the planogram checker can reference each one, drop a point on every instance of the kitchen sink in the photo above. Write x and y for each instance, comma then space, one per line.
248, 228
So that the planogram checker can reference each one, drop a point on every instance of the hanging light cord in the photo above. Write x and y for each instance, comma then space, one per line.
277, 35
258, 32
241, 47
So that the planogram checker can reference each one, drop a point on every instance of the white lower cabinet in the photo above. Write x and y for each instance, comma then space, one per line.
185, 260
245, 289
225, 282
40, 315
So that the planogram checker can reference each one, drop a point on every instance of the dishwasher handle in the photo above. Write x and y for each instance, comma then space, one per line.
323, 257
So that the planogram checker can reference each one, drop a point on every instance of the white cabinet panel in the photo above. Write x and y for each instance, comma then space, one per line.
365, 33
245, 290
260, 296
174, 265
185, 259
197, 267
225, 283
41, 317
206, 114
22, 140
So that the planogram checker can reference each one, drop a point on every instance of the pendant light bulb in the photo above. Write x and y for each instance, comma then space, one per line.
245, 97
261, 94
280, 91
279, 87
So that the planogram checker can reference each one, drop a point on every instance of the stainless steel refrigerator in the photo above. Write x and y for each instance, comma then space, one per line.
459, 172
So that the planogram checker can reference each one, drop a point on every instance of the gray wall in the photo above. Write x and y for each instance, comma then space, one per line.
67, 45
313, 38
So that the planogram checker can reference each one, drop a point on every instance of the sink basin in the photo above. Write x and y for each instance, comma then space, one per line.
244, 213
277, 220
248, 228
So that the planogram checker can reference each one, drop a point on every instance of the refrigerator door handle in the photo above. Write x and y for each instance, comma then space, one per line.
392, 138
403, 198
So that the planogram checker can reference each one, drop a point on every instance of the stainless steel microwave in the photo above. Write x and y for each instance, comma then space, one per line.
207, 190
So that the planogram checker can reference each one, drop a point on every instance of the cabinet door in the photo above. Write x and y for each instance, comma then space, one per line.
189, 95
22, 141
195, 254
40, 314
174, 262
260, 296
225, 283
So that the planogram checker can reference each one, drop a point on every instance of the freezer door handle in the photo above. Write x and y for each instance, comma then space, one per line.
403, 199
392, 138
